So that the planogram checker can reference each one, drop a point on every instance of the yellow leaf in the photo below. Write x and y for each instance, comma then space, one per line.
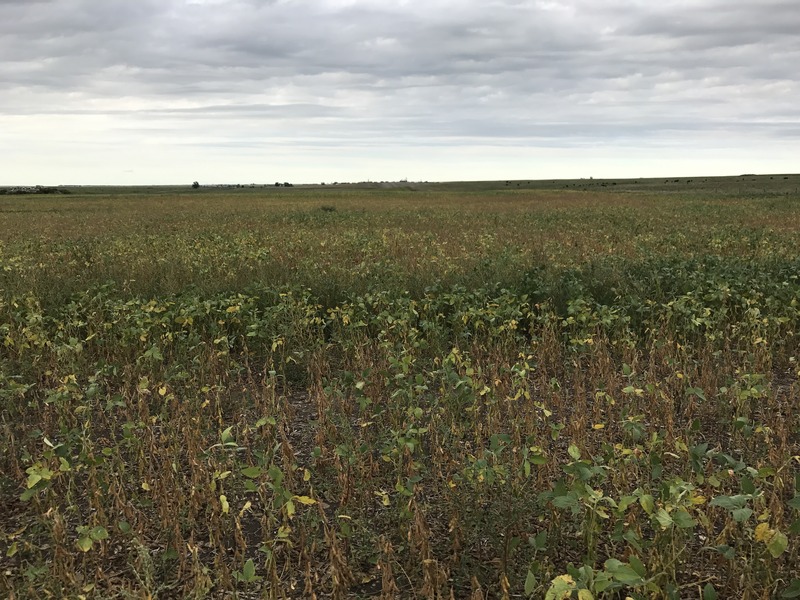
585, 595
223, 500
162, 390
284, 532
84, 543
763, 532
595, 426
145, 486
305, 500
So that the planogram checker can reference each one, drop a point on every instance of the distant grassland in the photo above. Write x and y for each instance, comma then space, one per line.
566, 389
215, 241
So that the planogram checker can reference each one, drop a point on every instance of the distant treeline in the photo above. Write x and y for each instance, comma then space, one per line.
36, 189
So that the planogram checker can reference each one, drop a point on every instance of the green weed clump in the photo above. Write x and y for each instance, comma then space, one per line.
417, 394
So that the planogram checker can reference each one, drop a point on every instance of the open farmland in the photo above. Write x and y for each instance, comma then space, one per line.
566, 389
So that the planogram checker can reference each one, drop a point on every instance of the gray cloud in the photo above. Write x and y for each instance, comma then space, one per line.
316, 74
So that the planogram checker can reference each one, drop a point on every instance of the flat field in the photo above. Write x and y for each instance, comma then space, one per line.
583, 389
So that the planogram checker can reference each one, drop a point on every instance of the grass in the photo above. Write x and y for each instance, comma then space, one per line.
560, 389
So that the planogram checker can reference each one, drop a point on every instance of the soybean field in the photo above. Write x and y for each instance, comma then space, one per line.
583, 389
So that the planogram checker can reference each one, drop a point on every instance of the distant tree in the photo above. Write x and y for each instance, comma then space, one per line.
195, 185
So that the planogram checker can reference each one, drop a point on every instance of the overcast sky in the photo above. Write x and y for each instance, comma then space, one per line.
171, 91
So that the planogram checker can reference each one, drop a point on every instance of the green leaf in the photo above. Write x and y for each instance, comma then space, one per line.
227, 436
124, 526
726, 551
793, 591
252, 472
709, 593
154, 353
765, 472
170, 554
647, 502
37, 474
566, 501
627, 576
741, 515
28, 494
540, 541
794, 528
730, 503
663, 518
625, 502
530, 584
98, 533
249, 570
574, 452
638, 566
602, 582
683, 519
795, 503
696, 391
33, 479
777, 544
622, 572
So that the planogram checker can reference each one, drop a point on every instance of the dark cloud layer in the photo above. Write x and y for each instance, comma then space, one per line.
311, 75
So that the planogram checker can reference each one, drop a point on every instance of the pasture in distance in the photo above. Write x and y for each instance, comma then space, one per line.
561, 389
